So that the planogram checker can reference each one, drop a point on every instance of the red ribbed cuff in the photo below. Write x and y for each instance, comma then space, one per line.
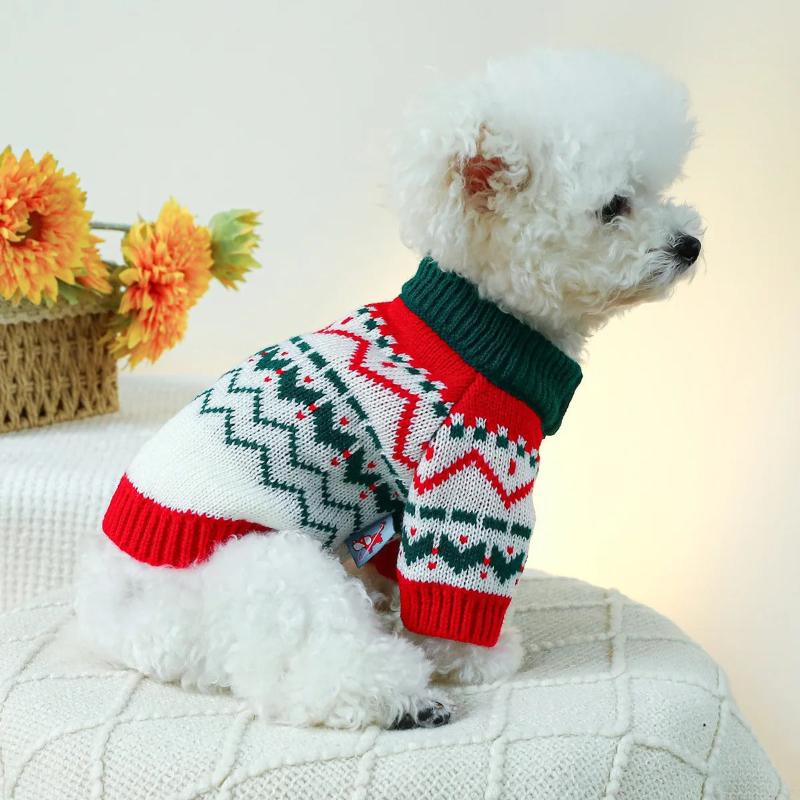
448, 612
158, 535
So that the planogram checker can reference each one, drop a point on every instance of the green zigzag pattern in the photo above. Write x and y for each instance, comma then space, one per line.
324, 429
460, 560
417, 548
355, 474
266, 472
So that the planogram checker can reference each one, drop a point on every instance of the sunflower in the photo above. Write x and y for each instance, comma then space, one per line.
44, 231
168, 267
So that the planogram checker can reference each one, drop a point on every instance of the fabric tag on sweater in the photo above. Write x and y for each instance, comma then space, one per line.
364, 544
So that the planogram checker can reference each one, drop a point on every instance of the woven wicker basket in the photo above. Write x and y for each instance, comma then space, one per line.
53, 367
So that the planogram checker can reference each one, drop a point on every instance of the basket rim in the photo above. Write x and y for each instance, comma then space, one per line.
25, 311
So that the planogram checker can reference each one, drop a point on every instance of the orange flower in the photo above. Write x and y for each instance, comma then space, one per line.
94, 272
168, 269
44, 231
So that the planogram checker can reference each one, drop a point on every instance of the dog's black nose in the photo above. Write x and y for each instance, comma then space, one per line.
687, 248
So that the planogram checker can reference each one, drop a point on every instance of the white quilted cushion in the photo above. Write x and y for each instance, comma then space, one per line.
55, 483
613, 703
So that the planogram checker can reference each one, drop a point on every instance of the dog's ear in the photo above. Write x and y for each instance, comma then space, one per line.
478, 171
497, 168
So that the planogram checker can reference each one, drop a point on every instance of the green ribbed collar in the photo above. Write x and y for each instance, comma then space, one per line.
511, 355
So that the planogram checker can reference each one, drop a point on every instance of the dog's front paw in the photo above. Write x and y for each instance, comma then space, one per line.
433, 715
471, 664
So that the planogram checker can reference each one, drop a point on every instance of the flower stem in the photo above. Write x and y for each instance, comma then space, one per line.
109, 226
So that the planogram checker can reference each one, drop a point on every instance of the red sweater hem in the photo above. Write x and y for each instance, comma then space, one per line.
449, 612
161, 536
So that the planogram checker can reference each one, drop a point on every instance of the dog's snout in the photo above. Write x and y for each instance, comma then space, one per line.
687, 249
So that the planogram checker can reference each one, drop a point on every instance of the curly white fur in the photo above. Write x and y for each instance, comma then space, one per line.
572, 130
273, 618
453, 662
502, 179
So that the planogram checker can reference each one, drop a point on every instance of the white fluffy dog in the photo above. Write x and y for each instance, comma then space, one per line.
541, 183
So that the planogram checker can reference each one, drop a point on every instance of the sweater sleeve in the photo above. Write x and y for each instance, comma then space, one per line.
467, 523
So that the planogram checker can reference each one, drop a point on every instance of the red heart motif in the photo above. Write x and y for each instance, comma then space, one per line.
435, 551
412, 531
483, 574
486, 561
431, 565
463, 539
509, 550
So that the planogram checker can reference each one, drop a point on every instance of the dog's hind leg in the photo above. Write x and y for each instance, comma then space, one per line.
304, 645
272, 617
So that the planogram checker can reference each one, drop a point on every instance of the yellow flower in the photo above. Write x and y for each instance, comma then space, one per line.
44, 231
94, 273
168, 269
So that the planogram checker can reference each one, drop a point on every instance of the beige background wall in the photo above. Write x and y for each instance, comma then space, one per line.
675, 477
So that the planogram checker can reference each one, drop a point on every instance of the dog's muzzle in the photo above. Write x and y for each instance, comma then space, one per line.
685, 251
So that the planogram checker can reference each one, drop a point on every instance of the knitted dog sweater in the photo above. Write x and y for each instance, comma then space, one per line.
431, 407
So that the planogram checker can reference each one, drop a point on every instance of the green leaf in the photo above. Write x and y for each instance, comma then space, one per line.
72, 293
233, 240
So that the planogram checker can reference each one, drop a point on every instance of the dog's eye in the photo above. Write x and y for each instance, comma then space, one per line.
618, 207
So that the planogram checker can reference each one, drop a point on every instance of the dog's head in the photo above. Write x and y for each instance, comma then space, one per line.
542, 182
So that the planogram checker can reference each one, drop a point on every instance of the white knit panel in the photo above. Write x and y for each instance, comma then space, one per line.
471, 500
287, 438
